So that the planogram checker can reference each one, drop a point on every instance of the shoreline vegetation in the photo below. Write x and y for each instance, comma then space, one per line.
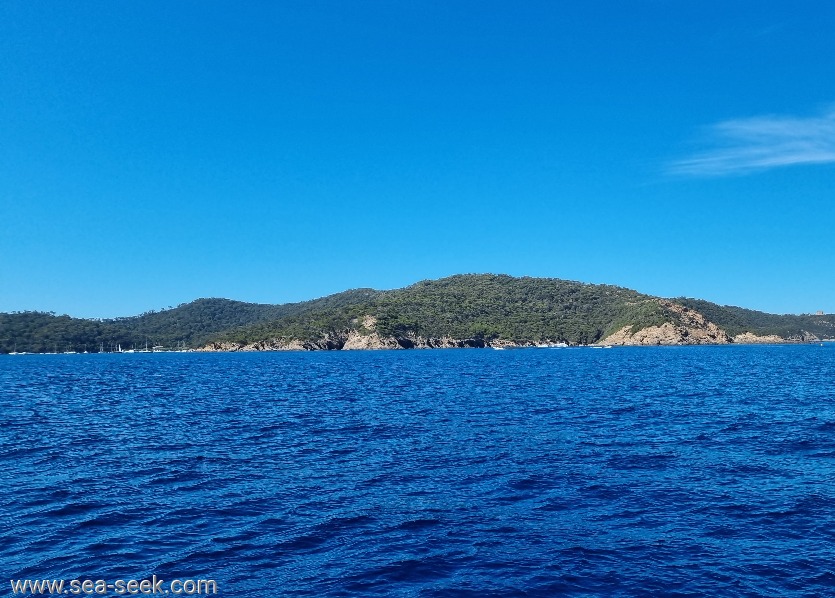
465, 311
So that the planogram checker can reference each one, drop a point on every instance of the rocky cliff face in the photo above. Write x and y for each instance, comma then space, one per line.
748, 338
365, 336
689, 327
804, 337
355, 340
686, 327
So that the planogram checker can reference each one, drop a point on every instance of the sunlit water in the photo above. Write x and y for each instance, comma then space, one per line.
543, 472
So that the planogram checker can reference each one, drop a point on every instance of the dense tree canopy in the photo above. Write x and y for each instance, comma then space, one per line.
187, 325
463, 307
503, 307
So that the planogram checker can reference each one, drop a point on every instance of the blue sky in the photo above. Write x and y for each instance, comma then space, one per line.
155, 152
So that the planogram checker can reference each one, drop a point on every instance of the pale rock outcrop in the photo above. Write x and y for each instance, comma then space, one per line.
749, 338
220, 347
268, 345
688, 328
804, 337
355, 340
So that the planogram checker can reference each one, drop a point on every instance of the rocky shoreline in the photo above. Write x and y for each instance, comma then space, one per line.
391, 344
692, 328
353, 340
687, 327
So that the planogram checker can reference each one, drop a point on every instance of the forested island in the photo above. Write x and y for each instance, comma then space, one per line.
474, 310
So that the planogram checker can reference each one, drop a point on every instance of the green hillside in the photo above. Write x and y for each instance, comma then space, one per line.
188, 325
736, 320
479, 307
38, 332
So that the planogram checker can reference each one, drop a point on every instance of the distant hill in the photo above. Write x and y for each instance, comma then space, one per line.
737, 320
465, 310
474, 307
188, 325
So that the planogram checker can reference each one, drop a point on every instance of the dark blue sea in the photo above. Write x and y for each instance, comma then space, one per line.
682, 471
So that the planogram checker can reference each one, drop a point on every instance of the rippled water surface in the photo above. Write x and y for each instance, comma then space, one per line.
638, 471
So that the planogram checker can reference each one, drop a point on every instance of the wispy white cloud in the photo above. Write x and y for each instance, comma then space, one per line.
748, 145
